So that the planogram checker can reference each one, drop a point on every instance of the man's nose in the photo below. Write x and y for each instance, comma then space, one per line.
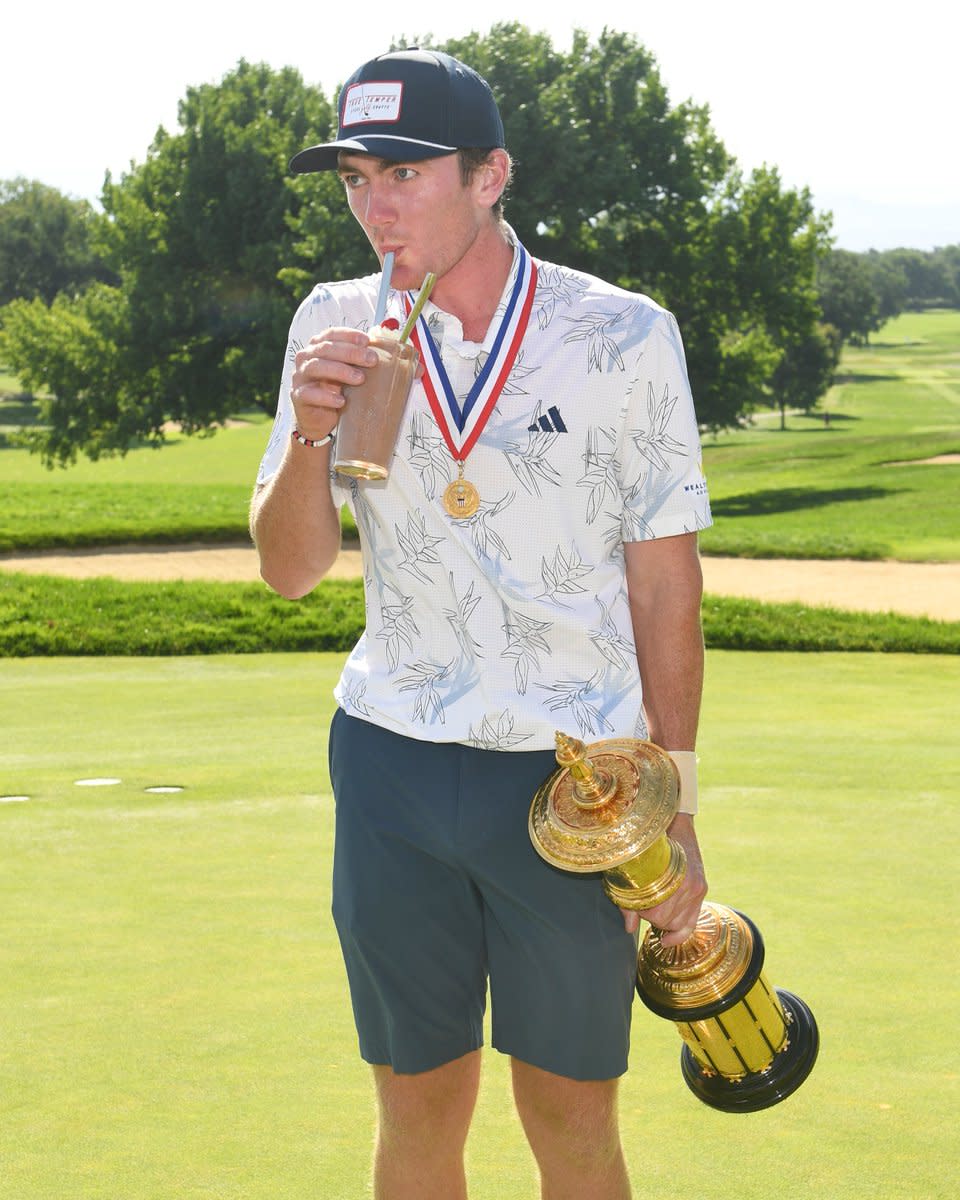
379, 208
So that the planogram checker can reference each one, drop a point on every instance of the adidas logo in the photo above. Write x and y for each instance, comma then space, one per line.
552, 422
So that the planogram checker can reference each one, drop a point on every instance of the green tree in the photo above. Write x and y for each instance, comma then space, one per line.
198, 236
926, 275
45, 242
806, 370
848, 297
949, 258
750, 298
609, 176
890, 284
75, 354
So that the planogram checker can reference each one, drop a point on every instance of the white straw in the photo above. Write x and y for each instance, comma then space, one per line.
384, 288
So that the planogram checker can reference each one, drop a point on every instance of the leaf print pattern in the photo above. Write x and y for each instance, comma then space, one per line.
556, 289
496, 733
294, 346
428, 455
594, 329
483, 536
529, 462
397, 626
436, 327
525, 640
615, 647
601, 469
518, 373
423, 679
353, 698
572, 697
418, 546
656, 442
459, 619
633, 527
562, 576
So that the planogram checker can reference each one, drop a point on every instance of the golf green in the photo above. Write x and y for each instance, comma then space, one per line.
173, 1009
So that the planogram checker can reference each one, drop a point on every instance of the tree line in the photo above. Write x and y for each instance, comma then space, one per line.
172, 302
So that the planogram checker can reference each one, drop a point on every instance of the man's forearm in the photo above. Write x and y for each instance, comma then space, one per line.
665, 585
671, 668
294, 523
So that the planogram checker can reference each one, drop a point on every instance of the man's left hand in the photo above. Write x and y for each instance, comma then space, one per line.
677, 916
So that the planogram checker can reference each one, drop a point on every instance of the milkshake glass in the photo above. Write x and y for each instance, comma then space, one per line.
370, 420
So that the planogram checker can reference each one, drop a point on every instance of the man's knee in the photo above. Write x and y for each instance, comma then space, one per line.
432, 1105
582, 1114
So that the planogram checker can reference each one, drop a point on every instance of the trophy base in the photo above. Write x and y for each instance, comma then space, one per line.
761, 1089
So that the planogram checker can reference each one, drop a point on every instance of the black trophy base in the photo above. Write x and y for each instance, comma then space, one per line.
761, 1089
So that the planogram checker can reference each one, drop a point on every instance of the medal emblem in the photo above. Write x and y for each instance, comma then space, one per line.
461, 499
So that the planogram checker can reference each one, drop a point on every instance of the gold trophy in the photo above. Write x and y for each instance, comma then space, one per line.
607, 808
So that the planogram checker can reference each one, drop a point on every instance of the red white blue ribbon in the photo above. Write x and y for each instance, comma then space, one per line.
461, 426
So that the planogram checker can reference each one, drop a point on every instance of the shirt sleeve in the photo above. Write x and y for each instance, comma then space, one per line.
661, 465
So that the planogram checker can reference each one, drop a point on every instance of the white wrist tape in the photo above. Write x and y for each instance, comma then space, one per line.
686, 764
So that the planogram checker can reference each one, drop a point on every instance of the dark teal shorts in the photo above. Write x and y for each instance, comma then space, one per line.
437, 889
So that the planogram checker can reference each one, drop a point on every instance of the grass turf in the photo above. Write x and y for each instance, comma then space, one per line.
174, 1010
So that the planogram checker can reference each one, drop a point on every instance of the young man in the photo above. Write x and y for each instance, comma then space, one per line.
563, 403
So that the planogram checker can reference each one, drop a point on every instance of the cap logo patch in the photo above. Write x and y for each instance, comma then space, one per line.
369, 102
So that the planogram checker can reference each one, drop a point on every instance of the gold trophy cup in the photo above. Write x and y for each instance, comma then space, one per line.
607, 808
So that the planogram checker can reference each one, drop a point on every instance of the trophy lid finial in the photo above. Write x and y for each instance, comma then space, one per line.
569, 749
592, 786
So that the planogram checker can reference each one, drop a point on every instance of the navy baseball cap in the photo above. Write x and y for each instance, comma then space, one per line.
408, 105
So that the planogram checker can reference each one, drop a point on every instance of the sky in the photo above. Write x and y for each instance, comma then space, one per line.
855, 101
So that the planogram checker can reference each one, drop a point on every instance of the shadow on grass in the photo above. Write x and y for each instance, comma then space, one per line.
815, 422
865, 377
908, 344
20, 409
780, 500
818, 417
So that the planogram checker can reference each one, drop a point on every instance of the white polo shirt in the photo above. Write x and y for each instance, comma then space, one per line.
499, 629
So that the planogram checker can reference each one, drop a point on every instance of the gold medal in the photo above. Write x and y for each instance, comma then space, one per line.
461, 499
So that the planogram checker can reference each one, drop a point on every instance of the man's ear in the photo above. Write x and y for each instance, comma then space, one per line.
492, 177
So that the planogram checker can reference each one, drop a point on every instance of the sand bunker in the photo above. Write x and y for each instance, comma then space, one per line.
938, 460
916, 589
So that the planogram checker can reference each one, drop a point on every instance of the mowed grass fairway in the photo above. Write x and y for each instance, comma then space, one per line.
193, 487
175, 1023
841, 490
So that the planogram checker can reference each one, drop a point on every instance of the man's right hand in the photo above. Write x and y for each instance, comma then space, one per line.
331, 359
